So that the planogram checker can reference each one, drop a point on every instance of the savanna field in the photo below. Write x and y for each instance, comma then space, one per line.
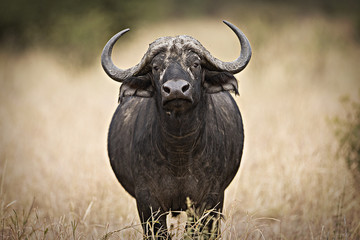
56, 179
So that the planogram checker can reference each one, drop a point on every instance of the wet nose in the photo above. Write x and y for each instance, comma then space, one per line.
173, 89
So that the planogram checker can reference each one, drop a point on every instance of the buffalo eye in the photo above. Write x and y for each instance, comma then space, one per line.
156, 68
195, 65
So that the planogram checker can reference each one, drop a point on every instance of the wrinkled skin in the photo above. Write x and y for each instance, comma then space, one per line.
176, 133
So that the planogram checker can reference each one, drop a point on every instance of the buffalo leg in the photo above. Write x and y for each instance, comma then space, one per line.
153, 219
209, 227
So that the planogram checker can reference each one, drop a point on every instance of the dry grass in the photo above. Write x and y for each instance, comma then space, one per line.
56, 181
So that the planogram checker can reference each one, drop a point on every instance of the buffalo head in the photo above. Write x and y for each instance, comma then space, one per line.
177, 71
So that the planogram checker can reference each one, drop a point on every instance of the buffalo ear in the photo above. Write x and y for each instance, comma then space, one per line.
140, 86
219, 81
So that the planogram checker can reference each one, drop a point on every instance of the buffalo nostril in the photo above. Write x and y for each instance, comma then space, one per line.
166, 89
185, 88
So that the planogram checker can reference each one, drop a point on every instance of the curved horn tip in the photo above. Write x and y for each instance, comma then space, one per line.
230, 25
125, 30
226, 22
122, 32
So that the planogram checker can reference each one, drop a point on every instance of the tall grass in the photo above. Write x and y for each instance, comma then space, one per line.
57, 182
348, 133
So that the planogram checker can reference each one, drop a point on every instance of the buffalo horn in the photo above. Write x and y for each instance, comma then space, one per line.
113, 71
240, 63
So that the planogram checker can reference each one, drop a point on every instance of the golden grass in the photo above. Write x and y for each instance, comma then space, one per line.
57, 183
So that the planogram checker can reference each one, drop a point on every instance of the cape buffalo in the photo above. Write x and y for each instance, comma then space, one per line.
177, 131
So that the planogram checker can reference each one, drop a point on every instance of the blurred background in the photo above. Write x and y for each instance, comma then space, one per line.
80, 28
299, 97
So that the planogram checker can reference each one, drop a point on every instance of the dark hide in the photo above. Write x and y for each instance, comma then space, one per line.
177, 131
160, 169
